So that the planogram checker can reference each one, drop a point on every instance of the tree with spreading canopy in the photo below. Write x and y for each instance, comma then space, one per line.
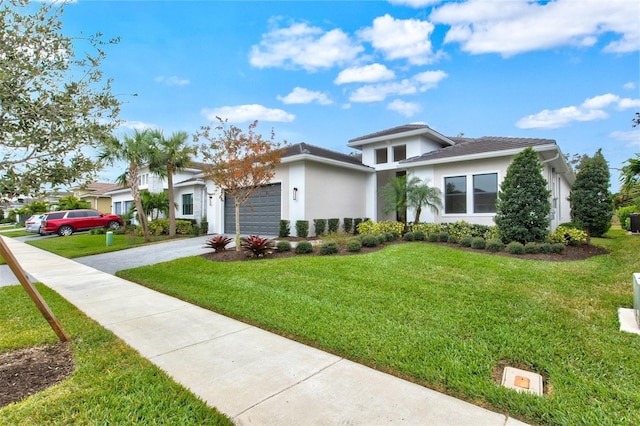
54, 108
237, 162
523, 206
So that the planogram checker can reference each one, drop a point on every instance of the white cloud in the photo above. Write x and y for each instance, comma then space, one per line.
630, 85
366, 74
137, 125
408, 109
591, 109
552, 119
631, 137
300, 95
517, 26
246, 113
379, 92
401, 39
303, 46
171, 81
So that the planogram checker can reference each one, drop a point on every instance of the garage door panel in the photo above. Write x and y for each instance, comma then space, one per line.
260, 214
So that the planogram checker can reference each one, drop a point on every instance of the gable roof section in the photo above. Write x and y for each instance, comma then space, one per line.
292, 152
97, 188
484, 147
398, 132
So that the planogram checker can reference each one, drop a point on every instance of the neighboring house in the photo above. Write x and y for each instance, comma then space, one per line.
96, 195
316, 183
189, 190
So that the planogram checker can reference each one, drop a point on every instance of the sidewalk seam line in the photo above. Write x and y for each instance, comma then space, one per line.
288, 387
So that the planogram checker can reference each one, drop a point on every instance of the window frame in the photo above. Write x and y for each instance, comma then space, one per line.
384, 151
476, 193
470, 195
395, 150
458, 196
187, 207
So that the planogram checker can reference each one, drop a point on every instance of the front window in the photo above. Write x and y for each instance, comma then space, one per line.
143, 179
485, 193
399, 152
455, 196
381, 156
187, 204
117, 208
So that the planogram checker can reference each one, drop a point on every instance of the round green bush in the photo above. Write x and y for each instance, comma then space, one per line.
515, 247
545, 248
304, 247
453, 239
432, 238
369, 240
478, 243
354, 244
419, 236
329, 247
388, 236
283, 246
557, 248
443, 237
409, 236
532, 248
381, 238
465, 241
494, 245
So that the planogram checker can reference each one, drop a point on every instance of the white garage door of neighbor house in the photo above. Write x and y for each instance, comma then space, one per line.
259, 215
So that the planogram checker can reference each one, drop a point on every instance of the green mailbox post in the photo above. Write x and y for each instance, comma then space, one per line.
109, 238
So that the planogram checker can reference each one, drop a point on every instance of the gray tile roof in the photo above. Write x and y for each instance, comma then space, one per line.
392, 131
305, 148
485, 144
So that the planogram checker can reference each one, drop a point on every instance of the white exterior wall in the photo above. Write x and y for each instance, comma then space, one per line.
415, 146
332, 192
468, 169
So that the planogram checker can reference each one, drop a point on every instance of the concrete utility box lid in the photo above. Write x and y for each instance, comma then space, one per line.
522, 380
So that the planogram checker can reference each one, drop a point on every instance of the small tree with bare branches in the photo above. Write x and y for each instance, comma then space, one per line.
238, 162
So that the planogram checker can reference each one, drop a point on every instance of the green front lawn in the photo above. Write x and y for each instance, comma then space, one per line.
446, 319
86, 244
111, 385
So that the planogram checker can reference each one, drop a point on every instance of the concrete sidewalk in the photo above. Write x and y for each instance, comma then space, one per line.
252, 376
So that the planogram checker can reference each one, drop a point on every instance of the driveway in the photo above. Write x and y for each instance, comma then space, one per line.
130, 258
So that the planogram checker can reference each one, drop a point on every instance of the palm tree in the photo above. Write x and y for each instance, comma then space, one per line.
69, 202
170, 156
136, 151
394, 196
630, 178
154, 204
420, 194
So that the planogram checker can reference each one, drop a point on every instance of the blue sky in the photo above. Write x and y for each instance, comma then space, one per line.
324, 72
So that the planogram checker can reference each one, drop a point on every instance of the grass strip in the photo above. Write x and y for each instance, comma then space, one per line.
112, 384
446, 318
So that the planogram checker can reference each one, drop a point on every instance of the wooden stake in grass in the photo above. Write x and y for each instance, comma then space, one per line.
32, 291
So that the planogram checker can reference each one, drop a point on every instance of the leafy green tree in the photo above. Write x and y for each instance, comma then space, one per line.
37, 207
70, 202
523, 205
420, 194
53, 103
394, 197
136, 151
238, 162
168, 157
590, 199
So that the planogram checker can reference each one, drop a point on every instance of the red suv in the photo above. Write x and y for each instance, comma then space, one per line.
66, 222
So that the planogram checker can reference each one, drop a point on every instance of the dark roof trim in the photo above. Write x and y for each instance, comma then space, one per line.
305, 149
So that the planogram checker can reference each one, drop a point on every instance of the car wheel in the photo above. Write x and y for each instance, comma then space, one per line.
65, 231
114, 224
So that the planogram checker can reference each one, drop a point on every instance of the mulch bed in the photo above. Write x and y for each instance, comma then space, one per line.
27, 371
570, 253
